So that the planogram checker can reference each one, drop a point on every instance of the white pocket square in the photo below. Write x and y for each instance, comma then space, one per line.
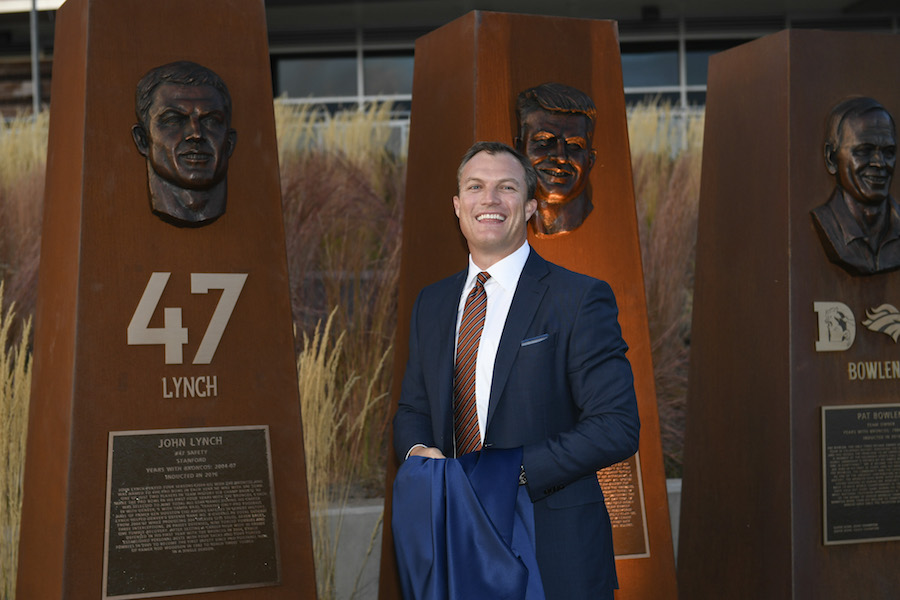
535, 340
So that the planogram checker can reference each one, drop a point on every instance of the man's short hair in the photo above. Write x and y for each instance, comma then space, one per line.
848, 109
500, 148
181, 72
555, 97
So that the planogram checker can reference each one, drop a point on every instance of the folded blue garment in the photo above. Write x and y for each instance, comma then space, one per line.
464, 529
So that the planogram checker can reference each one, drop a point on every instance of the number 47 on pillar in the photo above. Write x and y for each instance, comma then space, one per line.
172, 336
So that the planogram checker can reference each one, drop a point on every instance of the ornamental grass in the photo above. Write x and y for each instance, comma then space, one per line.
666, 150
15, 385
342, 216
331, 435
23, 155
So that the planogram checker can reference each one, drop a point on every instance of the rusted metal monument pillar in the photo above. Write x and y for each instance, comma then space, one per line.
791, 483
468, 76
165, 454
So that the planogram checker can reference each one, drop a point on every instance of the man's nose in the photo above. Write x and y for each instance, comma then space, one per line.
193, 130
559, 151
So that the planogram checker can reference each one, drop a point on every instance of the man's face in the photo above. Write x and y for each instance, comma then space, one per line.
492, 206
559, 148
188, 139
864, 162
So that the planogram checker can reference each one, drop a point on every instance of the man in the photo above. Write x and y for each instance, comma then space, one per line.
184, 131
551, 374
860, 224
556, 130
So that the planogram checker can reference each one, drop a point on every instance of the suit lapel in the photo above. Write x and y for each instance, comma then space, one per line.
529, 293
446, 314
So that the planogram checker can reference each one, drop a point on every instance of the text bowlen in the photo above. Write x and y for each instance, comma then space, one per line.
873, 369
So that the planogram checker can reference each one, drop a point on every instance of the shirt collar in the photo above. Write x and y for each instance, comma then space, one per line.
505, 272
846, 220
850, 228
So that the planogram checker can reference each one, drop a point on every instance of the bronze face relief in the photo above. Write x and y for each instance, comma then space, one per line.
859, 226
556, 130
184, 131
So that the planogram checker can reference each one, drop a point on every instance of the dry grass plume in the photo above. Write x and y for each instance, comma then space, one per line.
331, 435
666, 150
15, 385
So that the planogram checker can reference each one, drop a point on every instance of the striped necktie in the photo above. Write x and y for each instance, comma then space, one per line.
465, 411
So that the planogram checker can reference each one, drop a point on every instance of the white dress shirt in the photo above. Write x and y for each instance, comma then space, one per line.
500, 289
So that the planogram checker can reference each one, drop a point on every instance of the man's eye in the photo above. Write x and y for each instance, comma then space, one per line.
171, 119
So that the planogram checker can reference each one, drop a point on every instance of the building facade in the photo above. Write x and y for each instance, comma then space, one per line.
343, 53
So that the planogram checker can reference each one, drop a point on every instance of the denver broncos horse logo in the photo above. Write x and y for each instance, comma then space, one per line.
884, 319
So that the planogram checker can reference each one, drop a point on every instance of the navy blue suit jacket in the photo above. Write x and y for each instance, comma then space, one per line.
562, 390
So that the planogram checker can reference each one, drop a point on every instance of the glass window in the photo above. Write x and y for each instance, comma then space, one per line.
697, 66
650, 64
316, 76
696, 98
388, 74
402, 108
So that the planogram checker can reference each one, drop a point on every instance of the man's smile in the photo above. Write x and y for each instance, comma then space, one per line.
555, 172
195, 156
875, 179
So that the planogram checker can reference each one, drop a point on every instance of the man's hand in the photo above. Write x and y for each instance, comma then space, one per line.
426, 452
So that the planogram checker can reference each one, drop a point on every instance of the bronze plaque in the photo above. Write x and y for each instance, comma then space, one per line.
189, 511
623, 490
861, 473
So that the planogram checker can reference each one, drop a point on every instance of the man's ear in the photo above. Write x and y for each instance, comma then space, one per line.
231, 140
139, 135
830, 159
530, 208
456, 205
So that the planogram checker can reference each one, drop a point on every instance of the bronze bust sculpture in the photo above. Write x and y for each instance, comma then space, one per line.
184, 131
859, 226
556, 130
